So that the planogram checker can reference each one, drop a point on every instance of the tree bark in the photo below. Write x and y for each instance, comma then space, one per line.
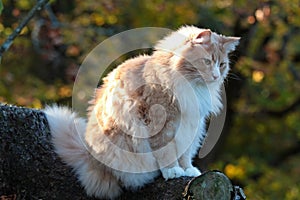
30, 169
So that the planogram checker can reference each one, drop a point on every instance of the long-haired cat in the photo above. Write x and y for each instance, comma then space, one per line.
149, 115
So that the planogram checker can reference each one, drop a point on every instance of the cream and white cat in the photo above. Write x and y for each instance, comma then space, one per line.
149, 115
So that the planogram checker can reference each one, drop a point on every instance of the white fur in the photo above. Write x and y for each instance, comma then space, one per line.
192, 172
67, 131
170, 173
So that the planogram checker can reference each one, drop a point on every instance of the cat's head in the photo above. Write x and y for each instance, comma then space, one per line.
199, 54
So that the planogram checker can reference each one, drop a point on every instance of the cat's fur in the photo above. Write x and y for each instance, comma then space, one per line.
153, 108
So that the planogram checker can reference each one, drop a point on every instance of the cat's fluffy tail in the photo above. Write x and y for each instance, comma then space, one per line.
68, 130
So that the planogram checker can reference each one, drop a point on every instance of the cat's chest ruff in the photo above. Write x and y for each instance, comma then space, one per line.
208, 99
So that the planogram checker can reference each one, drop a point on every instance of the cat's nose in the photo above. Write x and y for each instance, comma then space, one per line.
215, 77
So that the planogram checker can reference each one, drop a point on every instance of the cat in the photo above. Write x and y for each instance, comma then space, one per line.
148, 116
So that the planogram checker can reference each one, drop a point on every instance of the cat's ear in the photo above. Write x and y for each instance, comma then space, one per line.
230, 43
203, 38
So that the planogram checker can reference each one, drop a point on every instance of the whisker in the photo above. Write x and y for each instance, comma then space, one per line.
233, 76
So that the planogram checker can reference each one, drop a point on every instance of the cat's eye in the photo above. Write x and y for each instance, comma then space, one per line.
223, 64
207, 61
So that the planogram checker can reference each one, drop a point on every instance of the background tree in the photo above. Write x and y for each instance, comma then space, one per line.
260, 144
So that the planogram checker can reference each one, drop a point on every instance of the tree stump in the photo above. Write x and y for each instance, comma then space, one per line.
212, 185
30, 169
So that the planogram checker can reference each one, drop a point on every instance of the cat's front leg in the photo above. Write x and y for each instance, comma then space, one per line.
185, 161
167, 160
189, 144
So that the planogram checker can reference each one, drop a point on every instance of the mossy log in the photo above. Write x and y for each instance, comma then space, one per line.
30, 169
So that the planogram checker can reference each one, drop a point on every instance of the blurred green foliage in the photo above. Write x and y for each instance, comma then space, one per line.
261, 140
1, 7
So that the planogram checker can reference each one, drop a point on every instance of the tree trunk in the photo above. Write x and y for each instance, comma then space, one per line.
30, 169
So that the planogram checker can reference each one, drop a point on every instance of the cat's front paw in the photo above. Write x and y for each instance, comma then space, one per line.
174, 172
192, 172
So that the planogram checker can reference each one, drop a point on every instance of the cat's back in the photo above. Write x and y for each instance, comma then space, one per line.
123, 80
132, 69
